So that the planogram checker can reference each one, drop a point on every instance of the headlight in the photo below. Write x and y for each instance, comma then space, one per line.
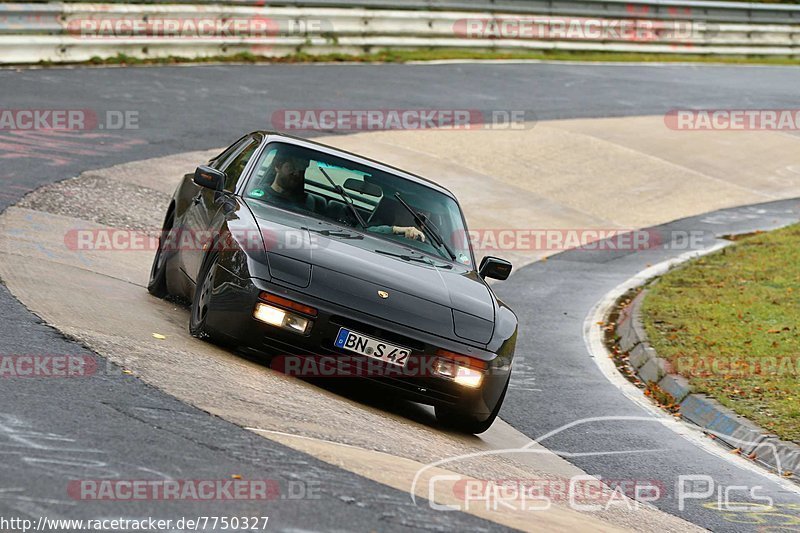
279, 318
468, 377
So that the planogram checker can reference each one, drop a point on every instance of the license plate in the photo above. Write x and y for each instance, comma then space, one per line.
371, 347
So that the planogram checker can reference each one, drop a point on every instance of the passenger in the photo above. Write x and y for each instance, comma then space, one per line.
391, 218
409, 232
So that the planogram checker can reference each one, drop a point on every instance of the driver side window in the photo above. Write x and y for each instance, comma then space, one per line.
234, 167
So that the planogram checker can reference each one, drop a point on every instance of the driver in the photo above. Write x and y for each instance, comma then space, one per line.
284, 182
289, 183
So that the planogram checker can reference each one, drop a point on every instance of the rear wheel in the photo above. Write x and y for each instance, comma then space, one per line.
202, 298
466, 422
157, 285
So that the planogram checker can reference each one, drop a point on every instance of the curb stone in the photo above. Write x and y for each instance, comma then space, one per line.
640, 354
725, 425
676, 386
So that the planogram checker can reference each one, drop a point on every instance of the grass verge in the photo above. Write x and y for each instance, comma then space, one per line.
730, 323
404, 56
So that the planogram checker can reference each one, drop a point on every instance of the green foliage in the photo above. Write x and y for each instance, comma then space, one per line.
730, 322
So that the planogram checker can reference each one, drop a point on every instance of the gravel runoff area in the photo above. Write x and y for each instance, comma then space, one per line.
95, 198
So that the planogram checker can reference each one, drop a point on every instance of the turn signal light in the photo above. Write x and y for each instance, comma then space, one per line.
465, 360
289, 304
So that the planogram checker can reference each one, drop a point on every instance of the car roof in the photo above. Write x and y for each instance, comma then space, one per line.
273, 136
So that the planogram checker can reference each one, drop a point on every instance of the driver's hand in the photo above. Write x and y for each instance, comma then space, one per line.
409, 232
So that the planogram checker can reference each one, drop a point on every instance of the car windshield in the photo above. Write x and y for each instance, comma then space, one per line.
322, 186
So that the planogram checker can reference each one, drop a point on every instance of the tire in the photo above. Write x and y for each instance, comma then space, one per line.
157, 285
465, 422
202, 296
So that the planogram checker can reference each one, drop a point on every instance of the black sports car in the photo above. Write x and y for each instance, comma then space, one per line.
339, 265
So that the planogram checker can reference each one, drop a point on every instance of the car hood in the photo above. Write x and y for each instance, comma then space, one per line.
440, 300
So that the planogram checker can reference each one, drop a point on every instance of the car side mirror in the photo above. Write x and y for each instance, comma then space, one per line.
210, 178
495, 268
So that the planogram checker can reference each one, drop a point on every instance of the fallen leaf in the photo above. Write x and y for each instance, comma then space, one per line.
159, 336
127, 372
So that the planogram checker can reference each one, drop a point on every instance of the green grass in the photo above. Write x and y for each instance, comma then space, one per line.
403, 56
730, 322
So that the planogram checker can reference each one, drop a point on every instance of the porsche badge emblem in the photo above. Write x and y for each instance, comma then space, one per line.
383, 294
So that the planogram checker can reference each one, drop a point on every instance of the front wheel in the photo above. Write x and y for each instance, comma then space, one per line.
465, 422
157, 285
202, 298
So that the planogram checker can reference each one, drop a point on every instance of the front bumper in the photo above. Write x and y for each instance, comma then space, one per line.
231, 314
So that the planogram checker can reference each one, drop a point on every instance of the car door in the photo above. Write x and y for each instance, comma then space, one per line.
206, 203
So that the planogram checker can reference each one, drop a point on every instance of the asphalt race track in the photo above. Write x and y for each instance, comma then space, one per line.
113, 425
567, 387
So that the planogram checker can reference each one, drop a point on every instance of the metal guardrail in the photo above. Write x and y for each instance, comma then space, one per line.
709, 10
59, 32
31, 18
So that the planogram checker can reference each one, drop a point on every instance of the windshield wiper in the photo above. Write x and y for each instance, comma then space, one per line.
335, 233
346, 197
418, 258
428, 230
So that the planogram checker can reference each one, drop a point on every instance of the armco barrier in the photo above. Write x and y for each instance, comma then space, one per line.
69, 32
